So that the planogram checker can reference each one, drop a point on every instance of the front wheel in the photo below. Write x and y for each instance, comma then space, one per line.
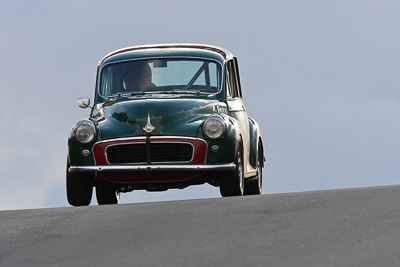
79, 188
233, 183
106, 193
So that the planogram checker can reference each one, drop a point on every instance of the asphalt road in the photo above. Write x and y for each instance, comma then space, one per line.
351, 227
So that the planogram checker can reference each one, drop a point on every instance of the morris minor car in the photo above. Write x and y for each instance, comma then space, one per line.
163, 117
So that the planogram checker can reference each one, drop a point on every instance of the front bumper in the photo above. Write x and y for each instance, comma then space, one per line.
153, 168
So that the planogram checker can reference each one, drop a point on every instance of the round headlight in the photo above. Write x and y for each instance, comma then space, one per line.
214, 127
84, 131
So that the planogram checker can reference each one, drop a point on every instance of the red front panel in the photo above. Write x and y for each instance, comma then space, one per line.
199, 157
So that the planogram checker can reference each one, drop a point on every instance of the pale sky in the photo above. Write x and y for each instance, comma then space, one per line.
320, 77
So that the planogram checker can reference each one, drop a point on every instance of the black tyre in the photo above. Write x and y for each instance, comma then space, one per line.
232, 184
79, 188
106, 193
253, 186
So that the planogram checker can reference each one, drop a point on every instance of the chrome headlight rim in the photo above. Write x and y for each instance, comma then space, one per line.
217, 121
84, 131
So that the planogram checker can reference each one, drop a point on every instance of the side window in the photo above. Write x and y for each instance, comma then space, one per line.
234, 89
233, 80
237, 76
229, 79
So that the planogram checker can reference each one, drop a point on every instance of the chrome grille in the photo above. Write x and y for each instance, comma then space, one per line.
159, 152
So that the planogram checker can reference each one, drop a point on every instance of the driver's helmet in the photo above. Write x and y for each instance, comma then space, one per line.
137, 76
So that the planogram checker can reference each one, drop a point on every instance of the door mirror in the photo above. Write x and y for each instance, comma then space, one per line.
84, 102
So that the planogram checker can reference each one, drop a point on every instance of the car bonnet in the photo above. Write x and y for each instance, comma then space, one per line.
169, 117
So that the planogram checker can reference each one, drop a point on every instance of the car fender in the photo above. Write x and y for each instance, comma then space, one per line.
227, 145
255, 139
249, 146
246, 143
75, 149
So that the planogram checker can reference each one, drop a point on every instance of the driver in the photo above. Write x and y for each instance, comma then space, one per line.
137, 77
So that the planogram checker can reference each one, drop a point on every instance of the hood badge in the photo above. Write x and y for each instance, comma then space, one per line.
218, 109
148, 128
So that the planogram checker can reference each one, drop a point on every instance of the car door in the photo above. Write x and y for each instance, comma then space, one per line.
237, 109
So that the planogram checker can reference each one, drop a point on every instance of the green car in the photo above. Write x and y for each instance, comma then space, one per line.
164, 116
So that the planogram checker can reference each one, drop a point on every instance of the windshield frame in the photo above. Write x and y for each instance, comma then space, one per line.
178, 92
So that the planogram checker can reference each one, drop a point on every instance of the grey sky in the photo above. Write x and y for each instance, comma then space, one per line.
320, 77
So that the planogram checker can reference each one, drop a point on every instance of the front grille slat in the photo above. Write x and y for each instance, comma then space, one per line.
160, 152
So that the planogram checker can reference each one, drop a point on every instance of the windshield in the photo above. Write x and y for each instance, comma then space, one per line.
161, 76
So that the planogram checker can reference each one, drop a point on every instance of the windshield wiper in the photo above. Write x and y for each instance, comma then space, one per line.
177, 91
119, 95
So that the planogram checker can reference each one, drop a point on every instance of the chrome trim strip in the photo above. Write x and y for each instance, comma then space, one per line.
100, 168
